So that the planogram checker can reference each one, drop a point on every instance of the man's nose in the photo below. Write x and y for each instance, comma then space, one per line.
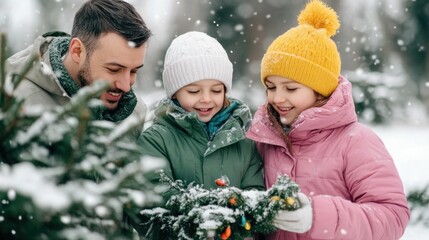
124, 83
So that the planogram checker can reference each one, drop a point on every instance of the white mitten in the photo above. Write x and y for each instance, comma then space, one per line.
298, 221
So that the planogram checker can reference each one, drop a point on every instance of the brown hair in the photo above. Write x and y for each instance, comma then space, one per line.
274, 118
97, 17
226, 101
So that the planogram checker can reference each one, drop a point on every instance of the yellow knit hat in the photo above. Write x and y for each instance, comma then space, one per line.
306, 53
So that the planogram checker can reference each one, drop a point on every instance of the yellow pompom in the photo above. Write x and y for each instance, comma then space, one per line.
319, 15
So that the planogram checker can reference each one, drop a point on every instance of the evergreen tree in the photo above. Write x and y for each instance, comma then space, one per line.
419, 203
64, 175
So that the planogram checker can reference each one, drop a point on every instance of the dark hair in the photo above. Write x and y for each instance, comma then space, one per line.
283, 131
97, 17
274, 118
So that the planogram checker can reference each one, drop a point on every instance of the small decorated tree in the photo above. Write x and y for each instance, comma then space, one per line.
193, 212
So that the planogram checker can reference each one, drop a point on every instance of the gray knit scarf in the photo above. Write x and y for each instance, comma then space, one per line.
57, 49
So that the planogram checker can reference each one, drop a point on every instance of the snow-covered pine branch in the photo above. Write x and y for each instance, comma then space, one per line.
193, 212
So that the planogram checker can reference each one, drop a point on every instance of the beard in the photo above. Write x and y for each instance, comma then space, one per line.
84, 75
85, 79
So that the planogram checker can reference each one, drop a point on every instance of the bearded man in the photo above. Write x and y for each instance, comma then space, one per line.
108, 42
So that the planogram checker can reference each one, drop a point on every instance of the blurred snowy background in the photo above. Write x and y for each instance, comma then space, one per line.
383, 44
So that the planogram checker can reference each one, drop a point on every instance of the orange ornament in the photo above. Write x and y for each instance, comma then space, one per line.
226, 233
232, 201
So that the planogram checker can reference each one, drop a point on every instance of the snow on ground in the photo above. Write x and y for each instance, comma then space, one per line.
409, 146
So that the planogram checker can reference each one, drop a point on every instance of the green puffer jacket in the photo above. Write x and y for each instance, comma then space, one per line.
178, 137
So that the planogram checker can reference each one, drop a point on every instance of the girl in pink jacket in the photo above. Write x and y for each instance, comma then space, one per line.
308, 129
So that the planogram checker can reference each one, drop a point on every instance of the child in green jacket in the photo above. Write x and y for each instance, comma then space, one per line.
198, 130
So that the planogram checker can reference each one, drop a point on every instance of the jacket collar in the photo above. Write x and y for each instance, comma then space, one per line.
233, 130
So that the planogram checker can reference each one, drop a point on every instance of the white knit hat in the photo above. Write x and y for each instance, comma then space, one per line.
195, 56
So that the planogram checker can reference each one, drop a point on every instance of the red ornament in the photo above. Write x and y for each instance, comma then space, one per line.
222, 181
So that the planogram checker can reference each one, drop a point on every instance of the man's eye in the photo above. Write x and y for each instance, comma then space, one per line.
292, 89
114, 70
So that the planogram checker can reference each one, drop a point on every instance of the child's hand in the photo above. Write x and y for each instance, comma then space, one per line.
299, 220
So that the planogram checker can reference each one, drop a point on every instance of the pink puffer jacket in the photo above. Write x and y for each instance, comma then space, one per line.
342, 166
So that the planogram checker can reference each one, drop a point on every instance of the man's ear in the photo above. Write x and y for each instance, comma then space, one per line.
77, 50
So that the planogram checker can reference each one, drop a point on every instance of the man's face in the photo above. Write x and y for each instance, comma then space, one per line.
116, 60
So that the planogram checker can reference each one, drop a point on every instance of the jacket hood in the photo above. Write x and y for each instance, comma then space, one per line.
41, 74
312, 124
